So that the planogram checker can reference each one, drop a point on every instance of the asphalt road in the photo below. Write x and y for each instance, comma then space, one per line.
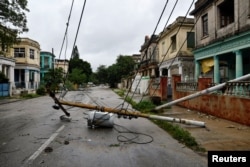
32, 134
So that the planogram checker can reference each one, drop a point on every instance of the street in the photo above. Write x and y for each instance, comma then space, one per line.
32, 134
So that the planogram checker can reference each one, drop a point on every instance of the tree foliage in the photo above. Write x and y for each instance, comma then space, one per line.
77, 77
126, 64
78, 63
102, 74
113, 74
12, 21
54, 77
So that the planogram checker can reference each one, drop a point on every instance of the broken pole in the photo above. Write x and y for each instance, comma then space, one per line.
131, 113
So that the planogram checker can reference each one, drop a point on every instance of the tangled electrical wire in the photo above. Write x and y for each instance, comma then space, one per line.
127, 136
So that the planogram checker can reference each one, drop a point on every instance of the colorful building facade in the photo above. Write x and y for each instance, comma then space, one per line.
47, 60
222, 39
176, 44
27, 67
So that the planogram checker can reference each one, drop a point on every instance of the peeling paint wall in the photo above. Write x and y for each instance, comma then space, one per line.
232, 108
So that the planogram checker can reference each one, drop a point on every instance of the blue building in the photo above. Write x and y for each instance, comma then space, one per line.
47, 60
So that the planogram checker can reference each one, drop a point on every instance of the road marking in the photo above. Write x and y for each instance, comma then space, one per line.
38, 152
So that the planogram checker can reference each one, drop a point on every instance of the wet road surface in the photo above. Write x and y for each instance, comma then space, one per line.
32, 134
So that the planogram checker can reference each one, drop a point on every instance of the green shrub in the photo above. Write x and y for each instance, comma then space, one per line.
144, 106
29, 96
41, 90
69, 85
179, 134
130, 101
120, 92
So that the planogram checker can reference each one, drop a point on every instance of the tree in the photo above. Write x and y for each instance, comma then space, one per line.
126, 65
75, 53
12, 21
113, 75
54, 77
123, 67
77, 77
76, 62
102, 74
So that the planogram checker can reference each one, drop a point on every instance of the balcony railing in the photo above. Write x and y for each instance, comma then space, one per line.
187, 86
238, 88
22, 85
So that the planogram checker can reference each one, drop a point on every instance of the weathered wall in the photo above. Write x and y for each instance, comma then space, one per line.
232, 108
159, 88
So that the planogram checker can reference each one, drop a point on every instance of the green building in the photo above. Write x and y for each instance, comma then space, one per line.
46, 62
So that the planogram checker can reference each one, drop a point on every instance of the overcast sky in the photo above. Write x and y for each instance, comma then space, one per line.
109, 28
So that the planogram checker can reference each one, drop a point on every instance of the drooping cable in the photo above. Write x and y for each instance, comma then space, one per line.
154, 49
158, 22
74, 44
66, 31
177, 54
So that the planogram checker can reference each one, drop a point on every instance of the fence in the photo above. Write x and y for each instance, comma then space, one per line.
231, 102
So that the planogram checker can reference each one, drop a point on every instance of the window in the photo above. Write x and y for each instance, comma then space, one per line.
226, 11
173, 42
190, 40
19, 52
205, 25
46, 63
163, 49
149, 54
32, 54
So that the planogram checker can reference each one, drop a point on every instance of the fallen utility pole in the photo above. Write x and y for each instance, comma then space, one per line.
131, 114
205, 91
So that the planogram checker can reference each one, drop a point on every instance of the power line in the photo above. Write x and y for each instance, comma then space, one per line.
169, 46
163, 10
172, 44
66, 31
79, 24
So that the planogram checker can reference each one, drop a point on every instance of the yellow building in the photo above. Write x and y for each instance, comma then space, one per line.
27, 68
175, 45
62, 63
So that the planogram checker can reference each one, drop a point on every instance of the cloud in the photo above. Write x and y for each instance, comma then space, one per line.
108, 28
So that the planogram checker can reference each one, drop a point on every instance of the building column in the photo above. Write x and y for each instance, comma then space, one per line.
160, 72
169, 76
239, 64
197, 70
180, 71
11, 80
38, 78
5, 70
153, 72
216, 69
27, 78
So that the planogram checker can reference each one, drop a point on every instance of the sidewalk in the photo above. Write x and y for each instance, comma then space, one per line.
8, 100
219, 134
